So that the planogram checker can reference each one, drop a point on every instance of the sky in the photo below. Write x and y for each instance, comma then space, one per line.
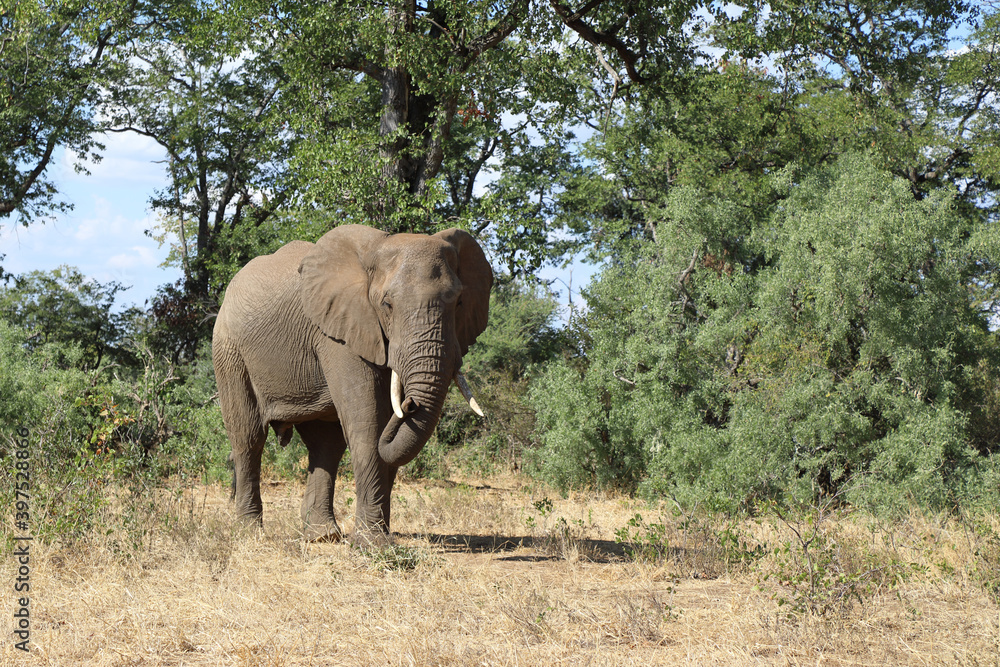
104, 236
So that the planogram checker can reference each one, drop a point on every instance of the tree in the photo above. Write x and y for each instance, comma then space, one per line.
690, 195
888, 63
844, 77
855, 360
64, 308
54, 58
208, 93
308, 115
405, 103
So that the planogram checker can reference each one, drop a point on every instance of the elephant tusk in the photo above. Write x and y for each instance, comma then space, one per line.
396, 395
463, 386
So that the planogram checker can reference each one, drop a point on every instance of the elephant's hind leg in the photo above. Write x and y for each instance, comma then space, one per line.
246, 430
326, 445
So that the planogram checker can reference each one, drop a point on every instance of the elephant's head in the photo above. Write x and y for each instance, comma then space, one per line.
412, 302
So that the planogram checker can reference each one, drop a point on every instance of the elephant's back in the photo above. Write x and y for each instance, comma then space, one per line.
266, 289
269, 272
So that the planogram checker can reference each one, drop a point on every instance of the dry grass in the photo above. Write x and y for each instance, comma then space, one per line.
499, 573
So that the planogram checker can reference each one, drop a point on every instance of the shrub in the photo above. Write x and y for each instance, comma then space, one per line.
838, 347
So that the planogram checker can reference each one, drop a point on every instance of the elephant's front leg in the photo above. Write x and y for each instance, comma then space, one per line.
373, 481
373, 477
360, 391
326, 444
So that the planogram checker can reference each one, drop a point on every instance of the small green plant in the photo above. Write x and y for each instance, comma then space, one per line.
396, 558
529, 613
644, 541
431, 462
641, 615
543, 506
818, 574
739, 547
556, 535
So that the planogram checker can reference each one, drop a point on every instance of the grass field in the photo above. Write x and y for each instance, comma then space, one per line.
504, 572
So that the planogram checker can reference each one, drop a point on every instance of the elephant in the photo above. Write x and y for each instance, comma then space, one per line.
354, 342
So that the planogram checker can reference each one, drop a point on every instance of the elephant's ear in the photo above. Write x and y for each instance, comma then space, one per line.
334, 289
476, 274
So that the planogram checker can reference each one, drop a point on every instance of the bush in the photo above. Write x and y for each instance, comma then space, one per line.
103, 440
585, 434
19, 381
78, 466
836, 349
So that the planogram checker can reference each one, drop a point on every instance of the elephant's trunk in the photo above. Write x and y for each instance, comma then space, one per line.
396, 394
402, 439
416, 416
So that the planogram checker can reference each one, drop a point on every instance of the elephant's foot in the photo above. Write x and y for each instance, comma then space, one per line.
250, 519
322, 532
319, 523
364, 539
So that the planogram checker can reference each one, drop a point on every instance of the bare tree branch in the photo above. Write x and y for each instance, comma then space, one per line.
574, 21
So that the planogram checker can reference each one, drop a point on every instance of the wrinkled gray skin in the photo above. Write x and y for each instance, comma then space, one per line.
307, 338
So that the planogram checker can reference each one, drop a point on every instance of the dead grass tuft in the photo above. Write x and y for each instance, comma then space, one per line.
527, 612
640, 617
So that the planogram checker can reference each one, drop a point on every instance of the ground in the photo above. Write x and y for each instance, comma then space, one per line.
505, 572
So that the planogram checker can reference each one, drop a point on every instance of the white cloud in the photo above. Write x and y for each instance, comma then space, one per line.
104, 238
104, 235
138, 257
127, 158
107, 222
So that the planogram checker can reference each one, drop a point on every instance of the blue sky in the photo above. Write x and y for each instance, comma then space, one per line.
104, 236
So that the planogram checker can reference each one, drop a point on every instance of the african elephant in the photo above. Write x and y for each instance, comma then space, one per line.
354, 341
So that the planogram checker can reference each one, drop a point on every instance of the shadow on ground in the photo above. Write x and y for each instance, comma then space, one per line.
598, 551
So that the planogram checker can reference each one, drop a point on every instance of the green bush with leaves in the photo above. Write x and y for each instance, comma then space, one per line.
845, 354
69, 418
104, 430
193, 444
19, 381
